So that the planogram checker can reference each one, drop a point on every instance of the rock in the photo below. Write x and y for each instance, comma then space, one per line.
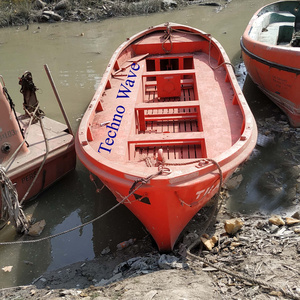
275, 293
44, 18
297, 230
38, 4
232, 226
291, 221
71, 292
296, 215
63, 4
52, 15
37, 228
276, 220
209, 243
169, 3
105, 251
234, 182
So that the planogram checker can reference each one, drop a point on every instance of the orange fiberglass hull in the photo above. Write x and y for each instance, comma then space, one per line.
32, 161
271, 53
162, 108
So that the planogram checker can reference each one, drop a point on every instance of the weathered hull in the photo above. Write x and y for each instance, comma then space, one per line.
273, 64
164, 127
35, 159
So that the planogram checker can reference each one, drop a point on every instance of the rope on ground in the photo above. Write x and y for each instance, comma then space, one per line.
141, 183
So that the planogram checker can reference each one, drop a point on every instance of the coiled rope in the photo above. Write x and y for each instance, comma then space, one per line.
167, 37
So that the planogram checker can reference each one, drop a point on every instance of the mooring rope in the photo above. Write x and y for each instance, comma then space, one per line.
14, 208
10, 203
43, 162
141, 183
167, 36
209, 56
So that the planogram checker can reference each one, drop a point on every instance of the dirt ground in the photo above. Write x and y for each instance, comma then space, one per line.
259, 261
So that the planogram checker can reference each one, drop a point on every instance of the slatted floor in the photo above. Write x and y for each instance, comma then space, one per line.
178, 150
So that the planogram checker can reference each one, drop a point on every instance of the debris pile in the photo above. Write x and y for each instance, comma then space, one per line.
257, 247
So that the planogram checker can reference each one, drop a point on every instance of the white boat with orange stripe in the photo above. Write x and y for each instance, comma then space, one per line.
166, 125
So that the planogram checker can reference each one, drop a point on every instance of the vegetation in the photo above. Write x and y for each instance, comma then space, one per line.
20, 12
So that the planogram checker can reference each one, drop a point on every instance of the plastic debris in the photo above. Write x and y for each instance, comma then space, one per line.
7, 268
125, 244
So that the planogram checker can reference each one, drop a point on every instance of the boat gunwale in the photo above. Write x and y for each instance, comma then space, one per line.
267, 62
247, 137
252, 47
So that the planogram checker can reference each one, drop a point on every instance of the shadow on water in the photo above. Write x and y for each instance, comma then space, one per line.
69, 203
270, 177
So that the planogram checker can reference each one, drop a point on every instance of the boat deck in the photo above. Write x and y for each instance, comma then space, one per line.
189, 112
274, 28
58, 139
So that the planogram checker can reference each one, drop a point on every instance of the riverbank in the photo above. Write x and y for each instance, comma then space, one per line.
259, 261
18, 13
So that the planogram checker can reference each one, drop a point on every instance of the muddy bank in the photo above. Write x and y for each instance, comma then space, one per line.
49, 11
250, 257
38, 11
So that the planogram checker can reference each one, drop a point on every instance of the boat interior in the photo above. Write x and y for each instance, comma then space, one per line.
181, 104
277, 27
174, 105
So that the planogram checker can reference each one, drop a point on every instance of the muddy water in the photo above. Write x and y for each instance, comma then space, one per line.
77, 54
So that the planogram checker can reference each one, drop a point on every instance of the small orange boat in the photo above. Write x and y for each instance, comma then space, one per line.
35, 151
270, 49
166, 125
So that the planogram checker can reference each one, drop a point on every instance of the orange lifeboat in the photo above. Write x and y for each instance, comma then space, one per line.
167, 124
271, 48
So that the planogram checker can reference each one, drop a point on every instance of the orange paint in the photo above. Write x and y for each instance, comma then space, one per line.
166, 107
271, 60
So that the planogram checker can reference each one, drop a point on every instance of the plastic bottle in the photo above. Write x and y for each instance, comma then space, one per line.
125, 244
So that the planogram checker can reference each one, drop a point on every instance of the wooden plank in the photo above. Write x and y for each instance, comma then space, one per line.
169, 73
166, 137
163, 105
185, 152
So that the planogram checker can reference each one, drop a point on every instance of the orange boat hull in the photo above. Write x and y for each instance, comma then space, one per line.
162, 123
272, 63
